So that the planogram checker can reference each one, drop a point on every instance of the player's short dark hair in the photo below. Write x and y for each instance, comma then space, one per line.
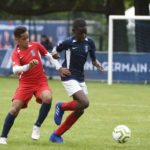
79, 23
43, 36
19, 30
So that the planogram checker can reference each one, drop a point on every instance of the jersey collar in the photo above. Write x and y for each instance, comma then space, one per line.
74, 40
18, 50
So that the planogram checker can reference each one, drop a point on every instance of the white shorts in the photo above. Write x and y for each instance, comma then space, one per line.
73, 86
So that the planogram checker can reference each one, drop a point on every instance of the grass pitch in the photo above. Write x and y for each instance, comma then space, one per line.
110, 106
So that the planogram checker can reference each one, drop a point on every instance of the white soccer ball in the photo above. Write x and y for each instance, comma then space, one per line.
121, 134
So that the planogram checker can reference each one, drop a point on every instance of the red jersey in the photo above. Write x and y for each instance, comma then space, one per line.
23, 57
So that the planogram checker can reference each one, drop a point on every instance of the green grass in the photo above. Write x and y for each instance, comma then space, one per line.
110, 106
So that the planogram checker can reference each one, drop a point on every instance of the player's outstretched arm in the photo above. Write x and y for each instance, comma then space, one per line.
18, 69
96, 63
53, 61
55, 53
63, 71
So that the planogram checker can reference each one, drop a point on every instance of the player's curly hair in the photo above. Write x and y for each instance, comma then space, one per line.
19, 30
79, 23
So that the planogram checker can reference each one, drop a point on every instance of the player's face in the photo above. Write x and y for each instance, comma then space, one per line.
23, 41
80, 33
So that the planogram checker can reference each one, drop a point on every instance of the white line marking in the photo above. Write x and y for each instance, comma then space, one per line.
123, 105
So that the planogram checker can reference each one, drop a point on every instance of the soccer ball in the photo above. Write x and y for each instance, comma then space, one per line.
121, 134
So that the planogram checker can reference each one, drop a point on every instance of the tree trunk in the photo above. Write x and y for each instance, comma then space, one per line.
120, 39
142, 28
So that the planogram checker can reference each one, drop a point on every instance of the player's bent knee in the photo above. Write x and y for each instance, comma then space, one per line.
86, 104
83, 105
47, 100
46, 97
14, 111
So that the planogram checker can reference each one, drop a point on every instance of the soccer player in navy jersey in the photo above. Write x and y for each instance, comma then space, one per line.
76, 49
32, 81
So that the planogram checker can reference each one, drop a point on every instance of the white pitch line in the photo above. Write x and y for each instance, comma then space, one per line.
4, 98
123, 105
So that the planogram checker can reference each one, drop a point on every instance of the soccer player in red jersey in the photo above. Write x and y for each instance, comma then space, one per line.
32, 81
77, 48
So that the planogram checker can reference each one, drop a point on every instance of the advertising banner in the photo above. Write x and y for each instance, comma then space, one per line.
128, 68
53, 30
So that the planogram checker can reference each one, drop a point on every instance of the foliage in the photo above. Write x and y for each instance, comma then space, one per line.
38, 7
128, 3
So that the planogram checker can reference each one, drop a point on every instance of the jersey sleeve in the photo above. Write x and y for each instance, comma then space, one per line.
92, 49
64, 45
42, 49
15, 59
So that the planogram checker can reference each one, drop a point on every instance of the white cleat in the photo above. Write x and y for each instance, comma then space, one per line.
3, 140
36, 132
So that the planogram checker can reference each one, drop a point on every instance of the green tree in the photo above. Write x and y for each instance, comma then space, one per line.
142, 29
120, 40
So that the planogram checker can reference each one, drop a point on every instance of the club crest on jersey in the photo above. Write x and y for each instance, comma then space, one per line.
86, 48
32, 52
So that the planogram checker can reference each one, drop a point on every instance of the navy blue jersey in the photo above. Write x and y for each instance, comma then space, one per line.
76, 53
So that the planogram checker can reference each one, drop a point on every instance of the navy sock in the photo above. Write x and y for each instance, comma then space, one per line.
9, 121
43, 113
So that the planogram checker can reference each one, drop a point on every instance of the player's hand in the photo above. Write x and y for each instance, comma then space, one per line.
56, 56
97, 64
100, 67
33, 63
64, 72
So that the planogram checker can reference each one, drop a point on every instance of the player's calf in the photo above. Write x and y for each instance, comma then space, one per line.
78, 113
